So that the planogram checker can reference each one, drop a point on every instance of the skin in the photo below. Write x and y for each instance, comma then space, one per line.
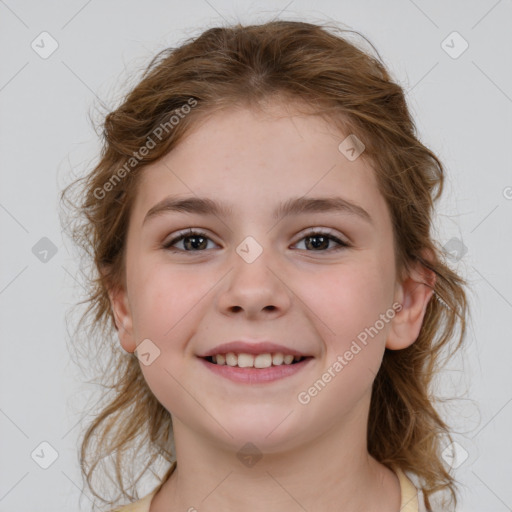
314, 456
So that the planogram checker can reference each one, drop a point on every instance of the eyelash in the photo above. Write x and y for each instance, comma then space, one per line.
190, 233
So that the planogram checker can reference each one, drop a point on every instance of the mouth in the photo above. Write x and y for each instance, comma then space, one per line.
255, 368
259, 361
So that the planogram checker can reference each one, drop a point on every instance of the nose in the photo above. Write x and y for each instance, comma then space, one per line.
255, 288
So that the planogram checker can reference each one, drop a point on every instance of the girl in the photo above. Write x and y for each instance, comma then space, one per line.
260, 226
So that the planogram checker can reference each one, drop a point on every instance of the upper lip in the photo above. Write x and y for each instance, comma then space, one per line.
255, 348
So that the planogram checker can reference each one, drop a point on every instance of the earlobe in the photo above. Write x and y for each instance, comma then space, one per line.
414, 293
123, 319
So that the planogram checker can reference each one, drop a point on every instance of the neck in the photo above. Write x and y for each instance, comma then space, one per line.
332, 472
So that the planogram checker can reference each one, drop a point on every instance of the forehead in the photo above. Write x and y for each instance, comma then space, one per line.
250, 157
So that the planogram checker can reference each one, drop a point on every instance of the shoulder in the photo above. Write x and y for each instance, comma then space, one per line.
141, 505
144, 503
411, 494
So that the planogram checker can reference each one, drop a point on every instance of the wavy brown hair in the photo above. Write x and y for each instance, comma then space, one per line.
314, 66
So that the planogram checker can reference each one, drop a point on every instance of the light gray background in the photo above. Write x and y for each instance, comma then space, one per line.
463, 110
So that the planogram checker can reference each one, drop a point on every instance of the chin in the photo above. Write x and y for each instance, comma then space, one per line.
269, 431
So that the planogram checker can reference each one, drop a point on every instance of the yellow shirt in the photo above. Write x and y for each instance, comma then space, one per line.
410, 501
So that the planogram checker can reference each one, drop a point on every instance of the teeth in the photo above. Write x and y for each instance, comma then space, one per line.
288, 359
277, 359
245, 360
251, 361
263, 361
231, 359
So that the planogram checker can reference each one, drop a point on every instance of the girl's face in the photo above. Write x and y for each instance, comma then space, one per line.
256, 274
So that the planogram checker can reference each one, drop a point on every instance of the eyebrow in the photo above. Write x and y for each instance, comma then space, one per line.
293, 206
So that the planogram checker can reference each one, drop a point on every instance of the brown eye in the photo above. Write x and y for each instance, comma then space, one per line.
193, 241
197, 241
318, 241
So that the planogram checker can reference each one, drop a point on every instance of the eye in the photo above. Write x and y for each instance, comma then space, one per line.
320, 239
196, 241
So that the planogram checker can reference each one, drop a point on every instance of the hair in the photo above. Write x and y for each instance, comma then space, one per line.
317, 69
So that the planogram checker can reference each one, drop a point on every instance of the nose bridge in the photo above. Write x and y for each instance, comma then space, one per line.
250, 250
253, 284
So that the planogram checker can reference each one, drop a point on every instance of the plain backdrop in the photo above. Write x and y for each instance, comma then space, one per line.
459, 89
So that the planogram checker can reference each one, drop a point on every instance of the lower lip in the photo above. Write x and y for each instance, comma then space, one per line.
256, 375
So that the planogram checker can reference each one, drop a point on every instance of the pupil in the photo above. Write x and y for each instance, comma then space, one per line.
323, 241
194, 238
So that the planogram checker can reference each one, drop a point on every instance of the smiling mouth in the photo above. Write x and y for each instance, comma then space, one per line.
260, 361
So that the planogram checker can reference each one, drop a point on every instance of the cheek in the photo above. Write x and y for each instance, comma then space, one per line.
349, 301
164, 297
165, 311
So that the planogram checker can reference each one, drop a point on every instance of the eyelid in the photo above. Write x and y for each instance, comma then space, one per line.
342, 240
183, 233
320, 230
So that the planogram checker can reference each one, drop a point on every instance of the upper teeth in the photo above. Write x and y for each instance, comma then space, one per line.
251, 361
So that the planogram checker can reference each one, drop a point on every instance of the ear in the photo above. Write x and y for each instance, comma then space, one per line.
123, 318
413, 294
